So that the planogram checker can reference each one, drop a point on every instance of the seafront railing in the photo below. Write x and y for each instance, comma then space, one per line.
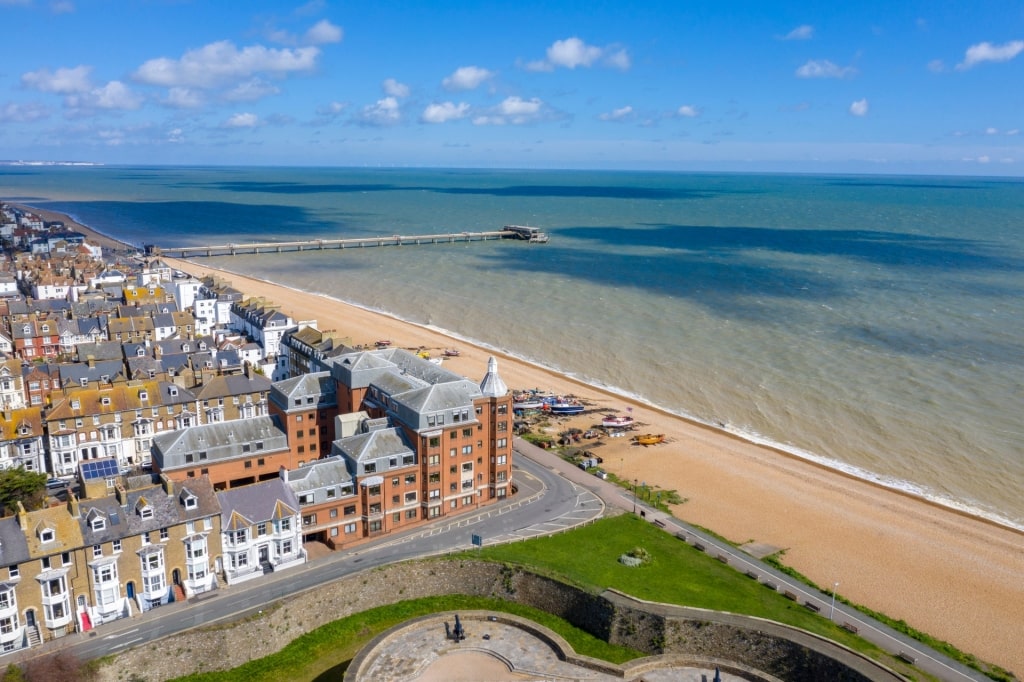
255, 248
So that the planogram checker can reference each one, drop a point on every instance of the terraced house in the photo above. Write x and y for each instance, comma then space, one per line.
22, 441
118, 421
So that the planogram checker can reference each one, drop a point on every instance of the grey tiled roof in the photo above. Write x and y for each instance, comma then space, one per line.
13, 547
220, 441
321, 473
257, 502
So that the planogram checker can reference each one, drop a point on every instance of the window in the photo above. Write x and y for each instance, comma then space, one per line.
467, 467
467, 449
375, 526
117, 545
373, 490
433, 460
410, 479
410, 497
248, 462
261, 529
350, 510
14, 572
237, 537
334, 513
98, 523
97, 551
306, 498
396, 499
285, 524
47, 536
411, 514
434, 477
332, 493
350, 528
163, 534
434, 442
467, 433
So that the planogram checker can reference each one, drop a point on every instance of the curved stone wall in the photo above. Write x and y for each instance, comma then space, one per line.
655, 629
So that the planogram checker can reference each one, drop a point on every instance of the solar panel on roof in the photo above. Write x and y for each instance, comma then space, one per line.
99, 468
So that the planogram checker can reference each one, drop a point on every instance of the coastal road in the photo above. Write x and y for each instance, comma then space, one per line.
546, 503
553, 496
924, 657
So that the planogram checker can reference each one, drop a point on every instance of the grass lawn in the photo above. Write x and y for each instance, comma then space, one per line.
325, 652
588, 557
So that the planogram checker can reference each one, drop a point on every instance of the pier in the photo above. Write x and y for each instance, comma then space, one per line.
517, 232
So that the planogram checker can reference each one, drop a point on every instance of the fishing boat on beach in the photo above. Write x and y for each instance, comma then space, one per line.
649, 439
451, 352
568, 407
617, 421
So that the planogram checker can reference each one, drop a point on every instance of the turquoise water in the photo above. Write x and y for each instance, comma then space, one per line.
871, 323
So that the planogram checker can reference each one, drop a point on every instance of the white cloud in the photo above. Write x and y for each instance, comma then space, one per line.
619, 114
936, 66
688, 111
332, 109
444, 112
175, 135
324, 32
220, 63
23, 113
987, 52
619, 59
384, 112
466, 78
251, 90
393, 88
184, 98
513, 110
114, 95
63, 81
859, 108
824, 69
245, 120
802, 32
573, 52
991, 131
62, 7
1013, 131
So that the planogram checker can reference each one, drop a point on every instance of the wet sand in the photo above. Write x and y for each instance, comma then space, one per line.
953, 576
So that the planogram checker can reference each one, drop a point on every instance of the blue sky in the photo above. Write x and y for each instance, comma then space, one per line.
893, 87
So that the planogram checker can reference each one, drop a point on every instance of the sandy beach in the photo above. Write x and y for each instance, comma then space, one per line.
953, 576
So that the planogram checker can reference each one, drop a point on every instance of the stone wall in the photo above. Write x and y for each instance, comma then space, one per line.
654, 629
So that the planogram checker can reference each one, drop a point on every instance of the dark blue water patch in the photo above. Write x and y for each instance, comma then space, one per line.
904, 184
522, 191
187, 223
896, 341
731, 285
895, 249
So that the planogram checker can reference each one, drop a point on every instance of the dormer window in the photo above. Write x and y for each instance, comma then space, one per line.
143, 395
105, 400
98, 523
47, 535
75, 404
143, 508
185, 348
27, 329
173, 391
84, 381
140, 352
189, 500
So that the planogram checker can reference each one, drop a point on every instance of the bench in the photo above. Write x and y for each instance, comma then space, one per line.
789, 595
698, 546
812, 606
751, 574
906, 658
659, 523
724, 559
770, 585
850, 627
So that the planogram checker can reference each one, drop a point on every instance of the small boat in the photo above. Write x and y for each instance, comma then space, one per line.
618, 421
383, 343
565, 407
528, 404
451, 352
649, 438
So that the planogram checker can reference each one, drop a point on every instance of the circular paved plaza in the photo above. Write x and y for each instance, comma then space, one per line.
502, 648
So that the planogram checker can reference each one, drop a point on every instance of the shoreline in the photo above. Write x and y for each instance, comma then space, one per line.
828, 465
899, 486
945, 571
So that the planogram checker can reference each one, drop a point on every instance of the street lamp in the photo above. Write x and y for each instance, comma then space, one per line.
832, 611
635, 480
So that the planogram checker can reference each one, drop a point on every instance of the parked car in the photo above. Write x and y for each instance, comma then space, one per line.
56, 484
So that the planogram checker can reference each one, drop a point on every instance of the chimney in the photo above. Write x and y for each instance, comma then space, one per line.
167, 484
122, 494
284, 474
73, 507
22, 515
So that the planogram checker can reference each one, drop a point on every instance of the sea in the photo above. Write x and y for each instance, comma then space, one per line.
869, 323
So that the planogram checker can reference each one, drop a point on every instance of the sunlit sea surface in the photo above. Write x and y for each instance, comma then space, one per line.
872, 323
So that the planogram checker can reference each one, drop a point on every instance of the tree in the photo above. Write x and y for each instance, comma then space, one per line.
28, 487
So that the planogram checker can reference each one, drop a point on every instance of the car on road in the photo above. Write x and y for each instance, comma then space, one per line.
56, 484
